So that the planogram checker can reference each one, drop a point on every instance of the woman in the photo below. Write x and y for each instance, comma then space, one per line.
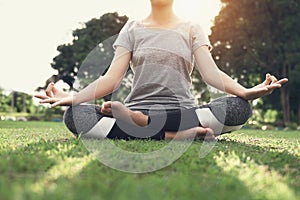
160, 49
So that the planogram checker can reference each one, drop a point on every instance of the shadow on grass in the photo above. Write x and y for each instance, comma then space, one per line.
283, 162
187, 178
62, 169
30, 162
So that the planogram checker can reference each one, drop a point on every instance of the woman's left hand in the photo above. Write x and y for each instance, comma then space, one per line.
54, 101
264, 88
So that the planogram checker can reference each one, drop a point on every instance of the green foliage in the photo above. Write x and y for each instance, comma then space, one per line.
73, 56
200, 88
4, 102
252, 37
295, 91
43, 161
51, 114
23, 107
16, 102
24, 103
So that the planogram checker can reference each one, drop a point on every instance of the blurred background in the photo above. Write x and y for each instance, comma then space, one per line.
69, 43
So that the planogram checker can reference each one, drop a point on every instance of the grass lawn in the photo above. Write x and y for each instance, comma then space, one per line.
42, 160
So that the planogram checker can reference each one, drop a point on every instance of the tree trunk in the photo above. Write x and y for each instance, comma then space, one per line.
13, 101
24, 102
299, 111
284, 96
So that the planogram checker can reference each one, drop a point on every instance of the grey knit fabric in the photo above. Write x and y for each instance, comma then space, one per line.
81, 118
230, 111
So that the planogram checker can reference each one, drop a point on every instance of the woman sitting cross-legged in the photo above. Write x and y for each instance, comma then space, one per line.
161, 50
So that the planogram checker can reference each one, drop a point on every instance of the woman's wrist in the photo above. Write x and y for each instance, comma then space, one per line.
75, 100
243, 93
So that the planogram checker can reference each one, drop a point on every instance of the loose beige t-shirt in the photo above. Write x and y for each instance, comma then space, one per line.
162, 63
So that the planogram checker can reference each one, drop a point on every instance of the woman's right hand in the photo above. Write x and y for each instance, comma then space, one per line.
55, 97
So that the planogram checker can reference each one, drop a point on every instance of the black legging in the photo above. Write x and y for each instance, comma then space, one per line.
229, 111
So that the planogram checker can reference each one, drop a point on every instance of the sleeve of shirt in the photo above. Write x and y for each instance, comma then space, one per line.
124, 38
199, 38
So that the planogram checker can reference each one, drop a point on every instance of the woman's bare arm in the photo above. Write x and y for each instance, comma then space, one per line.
106, 84
103, 86
213, 76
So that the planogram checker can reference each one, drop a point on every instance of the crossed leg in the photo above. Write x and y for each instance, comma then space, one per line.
203, 122
222, 115
120, 111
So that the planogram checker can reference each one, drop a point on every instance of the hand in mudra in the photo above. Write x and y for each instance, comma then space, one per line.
265, 88
55, 97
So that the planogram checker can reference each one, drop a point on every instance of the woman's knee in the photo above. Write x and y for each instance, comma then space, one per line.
68, 120
81, 118
231, 110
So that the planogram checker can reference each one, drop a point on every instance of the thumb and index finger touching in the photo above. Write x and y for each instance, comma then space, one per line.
50, 91
273, 82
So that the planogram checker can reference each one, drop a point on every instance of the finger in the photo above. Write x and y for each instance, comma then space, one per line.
268, 79
273, 79
282, 81
63, 102
49, 90
40, 96
54, 89
58, 103
49, 100
274, 86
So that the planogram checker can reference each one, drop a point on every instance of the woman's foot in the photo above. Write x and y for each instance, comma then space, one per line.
206, 134
120, 111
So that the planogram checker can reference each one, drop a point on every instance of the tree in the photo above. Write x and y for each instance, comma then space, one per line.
253, 37
295, 91
89, 41
4, 101
16, 102
21, 102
